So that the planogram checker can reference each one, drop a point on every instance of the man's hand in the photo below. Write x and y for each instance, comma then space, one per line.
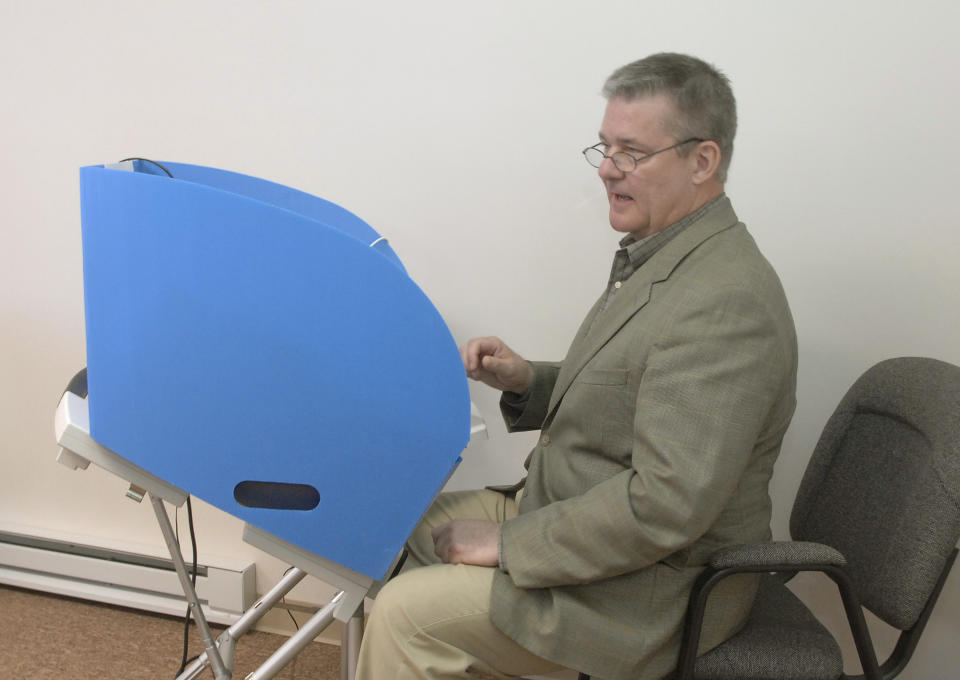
468, 541
490, 361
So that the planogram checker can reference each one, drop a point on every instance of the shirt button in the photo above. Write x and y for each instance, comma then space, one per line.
545, 440
618, 284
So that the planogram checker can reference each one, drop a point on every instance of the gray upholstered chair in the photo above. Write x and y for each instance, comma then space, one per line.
878, 511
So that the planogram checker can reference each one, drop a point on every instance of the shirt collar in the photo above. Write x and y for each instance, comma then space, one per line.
639, 251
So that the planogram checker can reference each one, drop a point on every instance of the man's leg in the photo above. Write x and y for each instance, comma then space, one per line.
434, 622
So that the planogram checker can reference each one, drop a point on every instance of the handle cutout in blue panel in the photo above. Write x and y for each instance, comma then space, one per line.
276, 495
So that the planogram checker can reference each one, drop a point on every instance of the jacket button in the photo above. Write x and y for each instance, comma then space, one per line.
545, 440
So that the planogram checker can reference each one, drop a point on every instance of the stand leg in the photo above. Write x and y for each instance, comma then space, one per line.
266, 603
220, 671
227, 641
297, 642
192, 671
350, 645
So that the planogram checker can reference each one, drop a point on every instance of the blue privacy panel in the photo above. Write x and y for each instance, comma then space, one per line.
247, 344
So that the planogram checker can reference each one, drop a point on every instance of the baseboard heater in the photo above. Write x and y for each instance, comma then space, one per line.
118, 577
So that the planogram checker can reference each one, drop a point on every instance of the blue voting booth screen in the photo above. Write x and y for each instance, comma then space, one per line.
265, 350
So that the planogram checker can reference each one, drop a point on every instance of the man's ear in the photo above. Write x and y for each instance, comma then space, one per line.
706, 159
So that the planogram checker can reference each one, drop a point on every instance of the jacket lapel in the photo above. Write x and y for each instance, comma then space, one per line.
601, 325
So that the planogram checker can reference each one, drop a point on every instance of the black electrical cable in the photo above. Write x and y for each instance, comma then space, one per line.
193, 578
283, 601
147, 160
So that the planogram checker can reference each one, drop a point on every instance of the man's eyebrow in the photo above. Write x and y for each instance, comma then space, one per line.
623, 141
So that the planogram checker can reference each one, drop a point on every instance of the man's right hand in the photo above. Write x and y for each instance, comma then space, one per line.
490, 361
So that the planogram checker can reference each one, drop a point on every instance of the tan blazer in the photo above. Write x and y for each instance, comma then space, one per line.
659, 432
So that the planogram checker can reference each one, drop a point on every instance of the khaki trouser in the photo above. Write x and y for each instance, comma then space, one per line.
433, 620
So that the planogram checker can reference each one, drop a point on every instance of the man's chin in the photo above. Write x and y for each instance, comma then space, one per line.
623, 226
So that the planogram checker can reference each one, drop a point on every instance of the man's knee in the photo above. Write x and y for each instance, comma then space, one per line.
426, 596
402, 600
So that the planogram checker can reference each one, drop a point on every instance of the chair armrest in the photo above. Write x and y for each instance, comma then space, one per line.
777, 555
785, 557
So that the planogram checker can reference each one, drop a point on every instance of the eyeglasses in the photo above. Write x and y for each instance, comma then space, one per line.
621, 159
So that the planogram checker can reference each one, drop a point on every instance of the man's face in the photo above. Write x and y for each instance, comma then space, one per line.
660, 190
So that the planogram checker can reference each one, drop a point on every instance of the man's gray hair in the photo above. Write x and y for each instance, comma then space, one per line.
701, 94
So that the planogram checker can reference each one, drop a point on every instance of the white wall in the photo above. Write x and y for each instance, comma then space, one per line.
454, 128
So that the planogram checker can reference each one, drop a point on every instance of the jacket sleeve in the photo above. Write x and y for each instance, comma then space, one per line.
707, 390
522, 412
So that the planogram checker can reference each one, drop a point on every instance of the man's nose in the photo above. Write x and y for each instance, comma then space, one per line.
609, 170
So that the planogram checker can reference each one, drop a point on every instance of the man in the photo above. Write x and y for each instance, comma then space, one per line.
659, 430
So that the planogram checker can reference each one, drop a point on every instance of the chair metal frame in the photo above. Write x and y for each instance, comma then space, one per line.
872, 670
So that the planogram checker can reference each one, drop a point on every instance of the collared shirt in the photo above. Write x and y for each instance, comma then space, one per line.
634, 252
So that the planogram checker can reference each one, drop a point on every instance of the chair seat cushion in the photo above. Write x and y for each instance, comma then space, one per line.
782, 640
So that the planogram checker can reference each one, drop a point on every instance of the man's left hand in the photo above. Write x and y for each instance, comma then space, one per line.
468, 541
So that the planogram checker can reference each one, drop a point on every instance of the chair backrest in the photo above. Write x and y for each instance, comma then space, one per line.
883, 484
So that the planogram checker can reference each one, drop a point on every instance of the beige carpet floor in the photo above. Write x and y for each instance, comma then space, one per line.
46, 637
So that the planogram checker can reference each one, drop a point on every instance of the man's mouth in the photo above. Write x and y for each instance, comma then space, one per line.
621, 197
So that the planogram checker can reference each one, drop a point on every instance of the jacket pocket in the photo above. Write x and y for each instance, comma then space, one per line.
606, 401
